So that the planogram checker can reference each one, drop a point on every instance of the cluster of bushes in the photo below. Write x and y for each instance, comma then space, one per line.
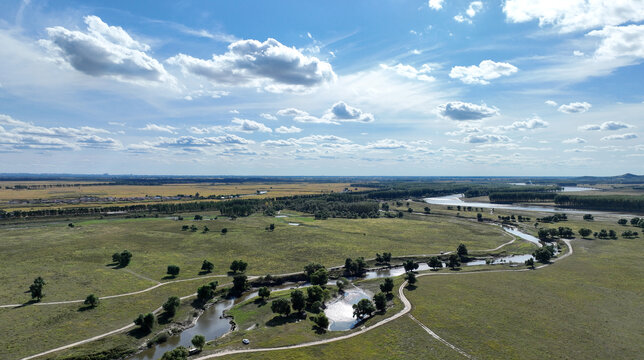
553, 218
550, 234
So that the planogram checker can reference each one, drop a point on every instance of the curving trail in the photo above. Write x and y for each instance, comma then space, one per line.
405, 310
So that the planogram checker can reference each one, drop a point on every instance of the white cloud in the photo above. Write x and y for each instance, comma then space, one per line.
576, 140
475, 7
269, 65
20, 135
578, 53
435, 4
606, 126
338, 113
411, 72
486, 70
233, 111
530, 124
161, 128
105, 51
387, 144
485, 138
457, 110
268, 116
317, 139
574, 15
575, 107
288, 130
628, 136
625, 42
471, 11
551, 103
250, 126
279, 143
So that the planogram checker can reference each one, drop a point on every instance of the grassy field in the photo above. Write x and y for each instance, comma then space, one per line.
31, 329
75, 261
204, 189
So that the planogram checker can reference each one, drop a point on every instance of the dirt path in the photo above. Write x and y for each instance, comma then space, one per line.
433, 334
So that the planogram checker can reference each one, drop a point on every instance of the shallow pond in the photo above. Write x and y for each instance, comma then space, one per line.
340, 311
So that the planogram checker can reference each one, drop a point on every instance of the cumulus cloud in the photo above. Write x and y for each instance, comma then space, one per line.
435, 4
160, 128
608, 125
625, 42
574, 15
411, 72
470, 12
575, 107
279, 143
551, 103
269, 65
268, 116
288, 130
486, 70
461, 111
628, 136
387, 144
338, 113
250, 126
317, 139
485, 138
576, 140
530, 124
16, 134
104, 50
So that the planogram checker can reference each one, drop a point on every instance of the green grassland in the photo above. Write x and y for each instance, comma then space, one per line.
399, 339
75, 261
31, 329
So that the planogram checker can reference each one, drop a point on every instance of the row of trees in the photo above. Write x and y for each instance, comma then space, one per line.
602, 202
521, 196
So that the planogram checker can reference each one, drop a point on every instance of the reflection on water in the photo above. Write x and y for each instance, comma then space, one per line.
340, 311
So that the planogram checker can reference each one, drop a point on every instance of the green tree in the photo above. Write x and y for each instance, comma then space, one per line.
435, 263
411, 278
380, 300
146, 321
271, 227
454, 261
387, 286
622, 221
315, 293
588, 217
543, 254
91, 300
311, 268
238, 266
281, 306
224, 231
179, 353
171, 305
530, 263
207, 266
297, 300
320, 277
240, 283
116, 258
584, 232
635, 221
321, 321
205, 293
410, 265
479, 217
124, 258
264, 293
199, 341
173, 270
36, 289
363, 308
341, 283
461, 250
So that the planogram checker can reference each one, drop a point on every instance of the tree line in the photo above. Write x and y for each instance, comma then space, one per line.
601, 202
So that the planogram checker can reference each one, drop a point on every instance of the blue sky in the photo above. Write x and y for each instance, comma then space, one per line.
514, 87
